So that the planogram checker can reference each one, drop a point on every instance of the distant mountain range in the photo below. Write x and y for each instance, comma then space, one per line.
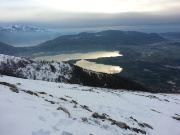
85, 42
25, 35
16, 28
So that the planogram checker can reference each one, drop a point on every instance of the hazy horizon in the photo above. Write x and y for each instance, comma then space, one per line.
94, 15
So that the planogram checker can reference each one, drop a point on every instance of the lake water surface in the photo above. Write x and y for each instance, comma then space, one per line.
98, 67
86, 64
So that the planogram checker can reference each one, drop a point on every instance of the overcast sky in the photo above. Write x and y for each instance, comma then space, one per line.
87, 15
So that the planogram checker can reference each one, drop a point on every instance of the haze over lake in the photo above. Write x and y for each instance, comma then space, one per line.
86, 64
74, 56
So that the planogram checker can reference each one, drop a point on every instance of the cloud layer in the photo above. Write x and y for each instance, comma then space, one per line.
90, 13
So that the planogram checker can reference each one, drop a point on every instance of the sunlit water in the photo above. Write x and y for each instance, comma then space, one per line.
99, 67
73, 56
86, 64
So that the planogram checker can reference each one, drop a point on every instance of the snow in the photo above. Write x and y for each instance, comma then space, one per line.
16, 28
37, 70
5, 58
45, 72
25, 114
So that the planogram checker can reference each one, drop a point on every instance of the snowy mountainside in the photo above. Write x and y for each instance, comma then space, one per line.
62, 72
23, 68
34, 107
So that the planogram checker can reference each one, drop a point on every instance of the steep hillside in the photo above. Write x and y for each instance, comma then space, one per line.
85, 42
7, 49
109, 39
62, 72
34, 107
17, 51
23, 68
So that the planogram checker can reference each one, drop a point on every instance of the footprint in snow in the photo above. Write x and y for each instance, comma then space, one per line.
41, 132
54, 114
62, 124
29, 99
66, 133
9, 100
42, 118
33, 107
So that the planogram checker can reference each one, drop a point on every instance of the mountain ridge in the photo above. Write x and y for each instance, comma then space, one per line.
63, 72
25, 36
17, 28
85, 42
105, 38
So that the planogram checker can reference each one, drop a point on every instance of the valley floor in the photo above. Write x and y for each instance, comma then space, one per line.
32, 107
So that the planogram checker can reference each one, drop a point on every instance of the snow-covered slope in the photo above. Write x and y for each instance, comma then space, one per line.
34, 107
48, 71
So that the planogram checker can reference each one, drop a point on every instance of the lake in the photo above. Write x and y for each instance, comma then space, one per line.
98, 67
86, 64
